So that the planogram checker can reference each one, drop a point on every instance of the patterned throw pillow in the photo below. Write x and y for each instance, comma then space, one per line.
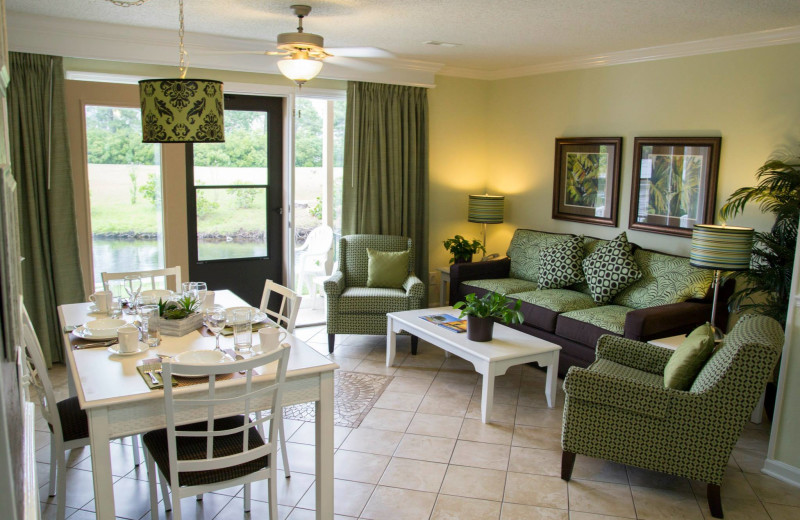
560, 265
610, 269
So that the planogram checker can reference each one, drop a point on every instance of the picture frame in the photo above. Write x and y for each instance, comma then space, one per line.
586, 184
674, 183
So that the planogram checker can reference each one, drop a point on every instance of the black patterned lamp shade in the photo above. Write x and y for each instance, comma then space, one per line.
182, 111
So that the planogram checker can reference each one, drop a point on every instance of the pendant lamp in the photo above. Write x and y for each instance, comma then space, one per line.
182, 110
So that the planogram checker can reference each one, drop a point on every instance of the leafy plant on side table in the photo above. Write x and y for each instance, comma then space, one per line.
481, 313
462, 249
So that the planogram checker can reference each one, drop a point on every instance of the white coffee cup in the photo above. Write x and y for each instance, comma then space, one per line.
101, 300
270, 338
128, 338
209, 301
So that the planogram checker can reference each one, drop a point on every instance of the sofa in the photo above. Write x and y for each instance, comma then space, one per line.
670, 298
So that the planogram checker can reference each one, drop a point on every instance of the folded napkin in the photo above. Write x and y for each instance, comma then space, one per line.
228, 331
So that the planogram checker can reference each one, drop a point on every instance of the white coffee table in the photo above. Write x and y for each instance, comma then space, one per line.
508, 348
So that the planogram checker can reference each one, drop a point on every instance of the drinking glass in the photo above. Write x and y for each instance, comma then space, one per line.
133, 286
215, 318
200, 289
150, 326
117, 290
242, 330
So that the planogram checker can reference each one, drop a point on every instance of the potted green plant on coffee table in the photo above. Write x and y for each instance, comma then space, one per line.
462, 249
482, 312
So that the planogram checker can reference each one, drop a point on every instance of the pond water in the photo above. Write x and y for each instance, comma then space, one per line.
120, 255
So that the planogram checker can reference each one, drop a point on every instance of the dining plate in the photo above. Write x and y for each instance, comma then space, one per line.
104, 326
157, 293
84, 333
141, 347
257, 315
199, 357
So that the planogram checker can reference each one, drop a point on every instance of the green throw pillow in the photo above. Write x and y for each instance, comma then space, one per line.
689, 358
560, 265
387, 268
610, 269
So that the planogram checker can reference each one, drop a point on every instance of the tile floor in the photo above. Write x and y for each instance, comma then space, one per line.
422, 453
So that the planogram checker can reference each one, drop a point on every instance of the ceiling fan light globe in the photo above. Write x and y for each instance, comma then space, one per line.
299, 70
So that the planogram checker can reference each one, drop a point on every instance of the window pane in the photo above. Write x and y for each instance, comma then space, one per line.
231, 223
241, 159
124, 192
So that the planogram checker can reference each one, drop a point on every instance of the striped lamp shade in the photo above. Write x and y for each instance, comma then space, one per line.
726, 248
486, 209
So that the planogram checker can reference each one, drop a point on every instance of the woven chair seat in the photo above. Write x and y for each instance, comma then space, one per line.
74, 423
190, 448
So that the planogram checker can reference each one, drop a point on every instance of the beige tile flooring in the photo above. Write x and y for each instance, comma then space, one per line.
422, 453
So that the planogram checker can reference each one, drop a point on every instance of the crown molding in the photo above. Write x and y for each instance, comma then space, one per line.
124, 43
782, 36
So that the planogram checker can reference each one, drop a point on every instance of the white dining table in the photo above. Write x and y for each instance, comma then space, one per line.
119, 403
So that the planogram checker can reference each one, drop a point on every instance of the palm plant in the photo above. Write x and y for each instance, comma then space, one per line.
768, 282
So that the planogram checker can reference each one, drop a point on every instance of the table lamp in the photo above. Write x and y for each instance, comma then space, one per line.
721, 248
486, 209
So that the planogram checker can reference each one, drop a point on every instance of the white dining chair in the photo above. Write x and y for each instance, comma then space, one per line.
288, 308
284, 317
69, 426
218, 453
166, 274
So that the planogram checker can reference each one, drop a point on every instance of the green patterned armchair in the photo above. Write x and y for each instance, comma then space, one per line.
354, 308
618, 409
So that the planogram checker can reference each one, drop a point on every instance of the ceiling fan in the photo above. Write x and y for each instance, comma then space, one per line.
304, 51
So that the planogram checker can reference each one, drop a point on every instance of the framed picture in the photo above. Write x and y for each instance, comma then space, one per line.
674, 183
586, 186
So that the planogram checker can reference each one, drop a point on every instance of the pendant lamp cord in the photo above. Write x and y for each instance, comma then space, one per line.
183, 54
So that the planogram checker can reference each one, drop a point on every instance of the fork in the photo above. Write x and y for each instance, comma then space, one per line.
96, 345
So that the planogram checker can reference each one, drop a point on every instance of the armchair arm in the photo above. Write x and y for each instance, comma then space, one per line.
414, 287
476, 271
634, 354
666, 320
334, 285
608, 390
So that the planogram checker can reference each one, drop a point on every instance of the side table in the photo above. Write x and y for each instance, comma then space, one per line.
674, 342
444, 289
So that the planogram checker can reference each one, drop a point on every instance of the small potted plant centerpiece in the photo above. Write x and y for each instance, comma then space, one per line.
462, 249
179, 317
481, 313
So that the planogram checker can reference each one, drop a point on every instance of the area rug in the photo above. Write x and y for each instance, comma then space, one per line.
354, 395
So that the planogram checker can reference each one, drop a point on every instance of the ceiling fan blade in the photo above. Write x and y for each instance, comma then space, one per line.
208, 52
359, 52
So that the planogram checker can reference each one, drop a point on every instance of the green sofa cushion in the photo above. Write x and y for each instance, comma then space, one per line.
557, 300
560, 265
502, 285
524, 251
665, 279
387, 269
611, 269
609, 317
689, 358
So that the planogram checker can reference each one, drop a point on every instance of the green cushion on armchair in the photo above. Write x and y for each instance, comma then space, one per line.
689, 358
387, 269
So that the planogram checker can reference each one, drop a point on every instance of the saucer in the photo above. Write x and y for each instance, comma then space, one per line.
141, 347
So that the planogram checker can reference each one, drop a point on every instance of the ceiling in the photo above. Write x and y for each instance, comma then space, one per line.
493, 37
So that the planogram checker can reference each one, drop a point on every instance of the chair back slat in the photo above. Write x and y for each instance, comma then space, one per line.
288, 308
167, 273
242, 401
37, 369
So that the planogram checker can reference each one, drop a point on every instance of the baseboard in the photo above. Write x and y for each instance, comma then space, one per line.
782, 472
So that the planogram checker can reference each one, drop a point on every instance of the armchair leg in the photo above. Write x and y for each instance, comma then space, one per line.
414, 342
331, 341
567, 463
714, 500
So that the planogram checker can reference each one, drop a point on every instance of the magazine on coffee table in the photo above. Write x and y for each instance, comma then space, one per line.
447, 321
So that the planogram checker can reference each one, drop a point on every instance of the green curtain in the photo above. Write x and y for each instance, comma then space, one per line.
51, 273
385, 184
